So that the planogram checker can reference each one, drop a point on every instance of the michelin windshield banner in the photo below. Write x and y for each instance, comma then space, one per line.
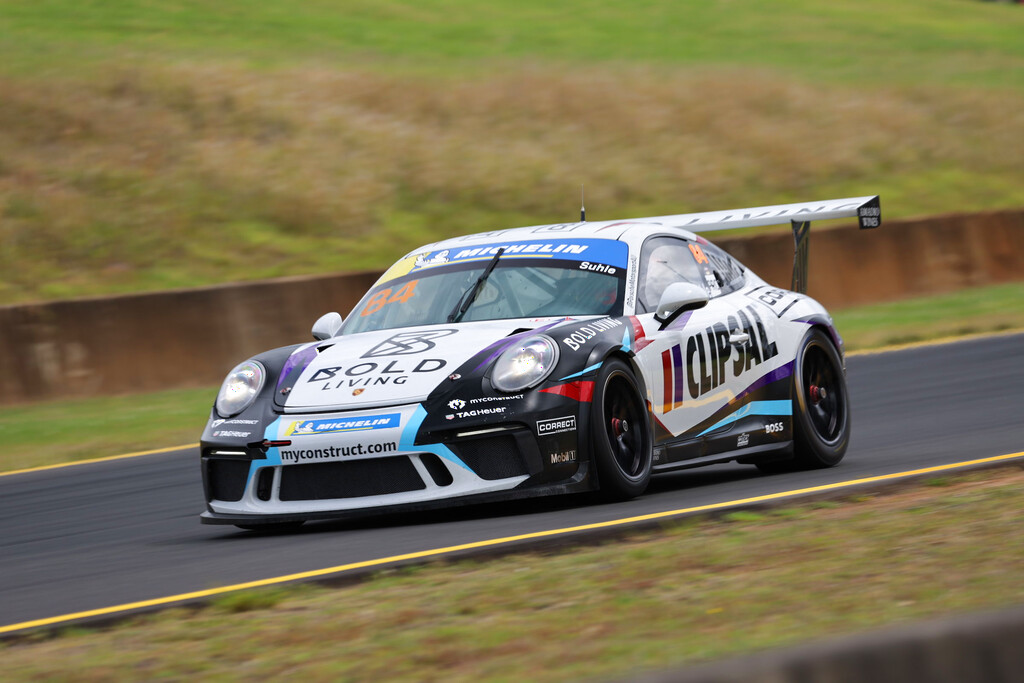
604, 252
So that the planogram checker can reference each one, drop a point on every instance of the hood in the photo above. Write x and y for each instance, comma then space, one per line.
390, 367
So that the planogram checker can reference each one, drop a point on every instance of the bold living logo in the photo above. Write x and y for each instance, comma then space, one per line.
407, 343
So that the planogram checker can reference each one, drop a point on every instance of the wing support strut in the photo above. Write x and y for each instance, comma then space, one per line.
801, 239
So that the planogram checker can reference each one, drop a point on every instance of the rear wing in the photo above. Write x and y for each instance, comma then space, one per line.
868, 211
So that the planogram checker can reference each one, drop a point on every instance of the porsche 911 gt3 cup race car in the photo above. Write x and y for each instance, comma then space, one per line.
534, 361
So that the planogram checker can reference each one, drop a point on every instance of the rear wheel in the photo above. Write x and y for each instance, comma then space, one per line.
620, 432
821, 404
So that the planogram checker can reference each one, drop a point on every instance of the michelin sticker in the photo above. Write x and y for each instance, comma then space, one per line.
601, 255
349, 424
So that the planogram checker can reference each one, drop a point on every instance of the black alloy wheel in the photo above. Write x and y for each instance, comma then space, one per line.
620, 432
821, 404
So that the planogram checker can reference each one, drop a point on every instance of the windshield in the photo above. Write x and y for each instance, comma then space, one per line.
532, 279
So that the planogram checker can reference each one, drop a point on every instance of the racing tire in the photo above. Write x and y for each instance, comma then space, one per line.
620, 430
821, 404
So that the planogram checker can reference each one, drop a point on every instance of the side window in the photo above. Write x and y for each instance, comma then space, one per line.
728, 271
664, 260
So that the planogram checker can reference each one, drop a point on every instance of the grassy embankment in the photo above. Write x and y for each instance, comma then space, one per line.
698, 589
64, 431
152, 145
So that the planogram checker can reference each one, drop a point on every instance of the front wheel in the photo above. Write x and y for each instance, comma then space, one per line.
620, 433
821, 404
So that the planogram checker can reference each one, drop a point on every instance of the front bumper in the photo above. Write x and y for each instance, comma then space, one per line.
327, 473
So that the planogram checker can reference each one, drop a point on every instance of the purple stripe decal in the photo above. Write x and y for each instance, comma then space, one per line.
680, 322
666, 377
677, 363
296, 362
778, 373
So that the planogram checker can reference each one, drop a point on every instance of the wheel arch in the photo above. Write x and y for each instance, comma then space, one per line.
603, 354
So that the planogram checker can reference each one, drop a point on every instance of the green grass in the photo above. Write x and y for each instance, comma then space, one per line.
148, 145
698, 590
859, 41
969, 311
64, 431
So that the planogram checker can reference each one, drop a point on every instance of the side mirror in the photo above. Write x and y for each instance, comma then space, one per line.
677, 298
327, 326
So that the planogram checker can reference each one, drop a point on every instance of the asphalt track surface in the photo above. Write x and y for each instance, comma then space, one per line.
105, 534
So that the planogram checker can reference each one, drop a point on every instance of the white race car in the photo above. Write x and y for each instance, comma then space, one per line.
535, 361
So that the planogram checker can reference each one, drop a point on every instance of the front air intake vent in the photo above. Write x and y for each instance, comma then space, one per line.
349, 479
493, 457
225, 478
438, 472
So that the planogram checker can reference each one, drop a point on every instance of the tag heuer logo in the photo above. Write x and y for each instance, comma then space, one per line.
457, 404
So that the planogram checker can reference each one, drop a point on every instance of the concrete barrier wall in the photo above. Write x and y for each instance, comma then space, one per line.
146, 342
164, 340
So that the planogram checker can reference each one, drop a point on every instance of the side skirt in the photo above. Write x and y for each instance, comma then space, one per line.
746, 456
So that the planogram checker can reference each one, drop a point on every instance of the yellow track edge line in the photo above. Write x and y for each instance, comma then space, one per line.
108, 458
436, 552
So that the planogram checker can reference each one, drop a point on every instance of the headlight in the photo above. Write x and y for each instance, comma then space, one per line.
240, 388
525, 364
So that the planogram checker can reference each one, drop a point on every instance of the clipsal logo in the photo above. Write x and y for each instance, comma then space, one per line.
216, 423
456, 404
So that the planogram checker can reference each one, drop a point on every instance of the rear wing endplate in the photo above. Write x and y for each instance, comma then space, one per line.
868, 211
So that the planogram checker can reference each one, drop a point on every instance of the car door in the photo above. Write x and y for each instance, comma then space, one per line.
699, 365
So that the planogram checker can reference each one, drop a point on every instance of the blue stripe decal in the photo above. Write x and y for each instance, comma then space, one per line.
408, 439
273, 454
582, 372
627, 343
775, 408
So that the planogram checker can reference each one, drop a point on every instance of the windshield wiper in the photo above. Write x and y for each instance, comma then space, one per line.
470, 296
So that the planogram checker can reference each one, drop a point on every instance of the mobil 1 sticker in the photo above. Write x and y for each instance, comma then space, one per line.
558, 443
